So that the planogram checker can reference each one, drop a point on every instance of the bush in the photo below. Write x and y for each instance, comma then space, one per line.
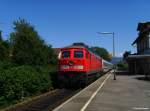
6, 65
122, 65
22, 81
45, 77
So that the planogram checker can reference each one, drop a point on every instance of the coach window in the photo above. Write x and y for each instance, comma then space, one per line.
66, 54
78, 54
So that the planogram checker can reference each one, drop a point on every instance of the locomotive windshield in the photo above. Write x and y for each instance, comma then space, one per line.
66, 54
78, 54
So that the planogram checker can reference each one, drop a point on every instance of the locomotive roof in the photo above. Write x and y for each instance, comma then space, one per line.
77, 45
72, 46
81, 46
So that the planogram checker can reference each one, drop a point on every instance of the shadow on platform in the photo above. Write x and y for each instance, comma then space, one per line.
143, 78
124, 72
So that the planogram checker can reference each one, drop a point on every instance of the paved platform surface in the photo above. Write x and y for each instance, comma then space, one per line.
127, 93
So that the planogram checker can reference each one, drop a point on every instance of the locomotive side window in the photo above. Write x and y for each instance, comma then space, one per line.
78, 54
66, 54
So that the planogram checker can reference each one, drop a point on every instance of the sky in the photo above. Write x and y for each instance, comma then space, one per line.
63, 22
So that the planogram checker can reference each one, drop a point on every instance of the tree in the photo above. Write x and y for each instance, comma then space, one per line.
102, 52
27, 46
1, 35
4, 49
126, 54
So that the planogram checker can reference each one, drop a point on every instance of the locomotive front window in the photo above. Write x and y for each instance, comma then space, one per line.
78, 54
66, 54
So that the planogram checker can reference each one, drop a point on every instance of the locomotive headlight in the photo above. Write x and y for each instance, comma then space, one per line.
64, 67
78, 67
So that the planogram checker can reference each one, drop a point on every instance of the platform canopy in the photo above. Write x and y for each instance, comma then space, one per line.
132, 57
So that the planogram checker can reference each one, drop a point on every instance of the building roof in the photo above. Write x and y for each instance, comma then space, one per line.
143, 28
137, 39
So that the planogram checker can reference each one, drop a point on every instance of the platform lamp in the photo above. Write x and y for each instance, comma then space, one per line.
113, 35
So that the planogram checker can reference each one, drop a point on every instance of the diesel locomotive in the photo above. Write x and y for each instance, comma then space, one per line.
78, 65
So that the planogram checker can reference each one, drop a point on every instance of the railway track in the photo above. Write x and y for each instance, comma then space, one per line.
46, 102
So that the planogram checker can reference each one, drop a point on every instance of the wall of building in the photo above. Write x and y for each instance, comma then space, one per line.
143, 46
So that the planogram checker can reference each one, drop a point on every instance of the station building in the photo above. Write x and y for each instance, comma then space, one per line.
139, 63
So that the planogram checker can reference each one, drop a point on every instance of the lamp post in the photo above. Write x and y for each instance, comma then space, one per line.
113, 35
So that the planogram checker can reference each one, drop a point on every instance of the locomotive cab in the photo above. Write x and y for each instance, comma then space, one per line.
72, 60
72, 66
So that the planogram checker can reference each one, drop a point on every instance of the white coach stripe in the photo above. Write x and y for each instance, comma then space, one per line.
94, 94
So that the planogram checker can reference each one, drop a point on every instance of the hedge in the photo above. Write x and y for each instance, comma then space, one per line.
22, 81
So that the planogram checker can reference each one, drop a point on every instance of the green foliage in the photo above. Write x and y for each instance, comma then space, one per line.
45, 77
122, 65
102, 52
6, 65
28, 47
126, 54
24, 64
22, 81
4, 50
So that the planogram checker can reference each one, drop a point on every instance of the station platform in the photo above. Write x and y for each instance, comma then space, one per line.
126, 93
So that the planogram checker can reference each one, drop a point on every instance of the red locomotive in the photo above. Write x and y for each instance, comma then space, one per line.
77, 65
